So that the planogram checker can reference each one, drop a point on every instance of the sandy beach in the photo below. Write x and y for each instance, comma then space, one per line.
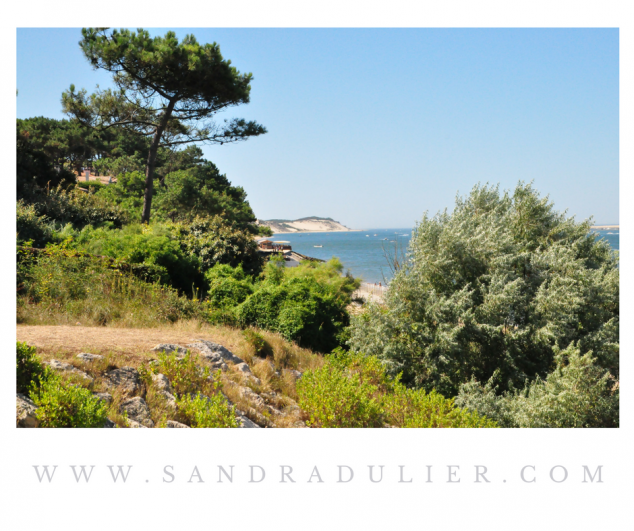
605, 227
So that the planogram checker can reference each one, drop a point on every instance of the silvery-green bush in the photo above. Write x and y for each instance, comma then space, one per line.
577, 394
494, 289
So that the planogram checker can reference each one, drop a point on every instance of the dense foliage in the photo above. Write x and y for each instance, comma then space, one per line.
354, 391
166, 91
306, 304
199, 400
60, 404
29, 369
64, 286
492, 292
495, 287
577, 394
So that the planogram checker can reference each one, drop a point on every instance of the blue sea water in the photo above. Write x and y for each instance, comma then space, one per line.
363, 252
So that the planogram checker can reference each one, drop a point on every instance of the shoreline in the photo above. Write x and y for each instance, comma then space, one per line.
316, 231
605, 227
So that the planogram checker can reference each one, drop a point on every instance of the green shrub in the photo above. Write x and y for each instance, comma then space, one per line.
495, 285
155, 246
184, 375
67, 406
334, 396
214, 241
301, 309
228, 292
577, 394
79, 208
353, 391
414, 408
29, 369
207, 411
31, 227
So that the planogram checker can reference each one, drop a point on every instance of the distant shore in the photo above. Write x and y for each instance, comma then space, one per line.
605, 227
316, 231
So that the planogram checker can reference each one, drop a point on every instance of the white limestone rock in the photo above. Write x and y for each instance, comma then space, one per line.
174, 424
138, 411
209, 348
25, 416
126, 378
85, 356
68, 368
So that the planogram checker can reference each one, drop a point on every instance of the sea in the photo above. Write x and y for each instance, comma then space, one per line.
365, 253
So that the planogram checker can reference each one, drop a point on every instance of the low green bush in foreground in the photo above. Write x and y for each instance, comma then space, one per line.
63, 405
199, 400
29, 369
201, 411
59, 404
354, 391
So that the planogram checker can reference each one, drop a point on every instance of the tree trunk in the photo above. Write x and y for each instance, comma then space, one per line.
151, 161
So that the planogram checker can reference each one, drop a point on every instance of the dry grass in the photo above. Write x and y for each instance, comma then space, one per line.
131, 347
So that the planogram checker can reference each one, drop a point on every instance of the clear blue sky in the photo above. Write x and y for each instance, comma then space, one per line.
374, 126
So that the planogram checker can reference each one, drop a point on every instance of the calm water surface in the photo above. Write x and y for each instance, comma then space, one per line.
363, 253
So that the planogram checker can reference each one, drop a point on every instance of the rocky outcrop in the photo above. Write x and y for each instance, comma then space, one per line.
252, 397
126, 378
164, 388
106, 397
174, 424
85, 356
245, 370
244, 422
25, 412
170, 348
69, 369
137, 411
214, 350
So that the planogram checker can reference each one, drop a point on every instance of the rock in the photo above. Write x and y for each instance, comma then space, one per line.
252, 397
211, 348
89, 357
246, 422
59, 365
174, 424
67, 367
164, 388
215, 362
126, 378
138, 411
106, 397
109, 424
135, 424
243, 367
25, 412
169, 348
162, 383
246, 372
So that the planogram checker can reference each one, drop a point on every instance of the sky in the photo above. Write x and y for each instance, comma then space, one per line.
374, 127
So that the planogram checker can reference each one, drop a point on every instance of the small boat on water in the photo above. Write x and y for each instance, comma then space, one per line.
385, 238
375, 234
317, 245
367, 235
